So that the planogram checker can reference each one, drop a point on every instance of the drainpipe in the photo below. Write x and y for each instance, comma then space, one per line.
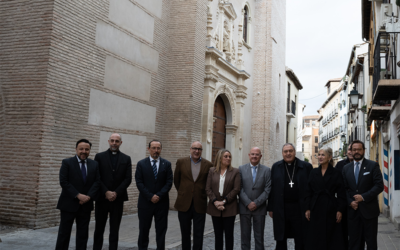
378, 127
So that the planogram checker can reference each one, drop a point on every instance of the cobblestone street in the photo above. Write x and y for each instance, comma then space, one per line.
43, 239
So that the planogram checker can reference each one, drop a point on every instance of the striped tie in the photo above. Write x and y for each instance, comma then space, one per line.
155, 168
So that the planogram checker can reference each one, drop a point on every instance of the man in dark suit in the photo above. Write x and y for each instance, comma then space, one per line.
286, 203
190, 178
80, 182
256, 186
340, 165
115, 176
154, 180
363, 183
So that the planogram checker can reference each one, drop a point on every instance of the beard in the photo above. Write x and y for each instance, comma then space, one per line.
358, 157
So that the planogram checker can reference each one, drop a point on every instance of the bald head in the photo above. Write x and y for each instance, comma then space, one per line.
255, 156
115, 142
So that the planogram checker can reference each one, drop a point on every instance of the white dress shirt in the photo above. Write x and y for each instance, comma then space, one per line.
221, 183
157, 162
80, 164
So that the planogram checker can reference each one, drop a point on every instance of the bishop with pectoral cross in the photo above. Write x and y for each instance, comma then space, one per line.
289, 178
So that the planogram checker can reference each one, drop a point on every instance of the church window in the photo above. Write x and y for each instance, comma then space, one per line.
245, 23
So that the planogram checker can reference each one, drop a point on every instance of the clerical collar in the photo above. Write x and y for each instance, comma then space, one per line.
290, 164
113, 152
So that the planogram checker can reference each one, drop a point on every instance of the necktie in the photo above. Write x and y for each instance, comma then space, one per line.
254, 173
357, 171
83, 170
155, 168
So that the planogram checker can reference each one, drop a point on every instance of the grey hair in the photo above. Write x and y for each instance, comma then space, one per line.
289, 144
329, 152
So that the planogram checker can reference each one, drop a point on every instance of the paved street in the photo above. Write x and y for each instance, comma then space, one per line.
21, 239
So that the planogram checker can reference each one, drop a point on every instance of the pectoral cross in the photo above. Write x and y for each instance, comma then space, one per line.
291, 184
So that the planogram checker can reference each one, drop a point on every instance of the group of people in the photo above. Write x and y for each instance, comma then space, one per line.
323, 208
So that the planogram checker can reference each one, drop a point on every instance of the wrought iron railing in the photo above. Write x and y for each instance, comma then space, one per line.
357, 133
385, 52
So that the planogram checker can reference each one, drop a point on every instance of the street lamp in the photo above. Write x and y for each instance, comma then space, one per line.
354, 98
343, 139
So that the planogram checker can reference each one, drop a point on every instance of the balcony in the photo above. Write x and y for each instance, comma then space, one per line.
335, 112
385, 85
341, 128
336, 154
357, 133
336, 131
290, 109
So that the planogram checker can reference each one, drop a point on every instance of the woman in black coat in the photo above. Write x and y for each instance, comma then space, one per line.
326, 201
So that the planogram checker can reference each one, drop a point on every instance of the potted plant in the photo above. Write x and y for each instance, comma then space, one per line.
364, 109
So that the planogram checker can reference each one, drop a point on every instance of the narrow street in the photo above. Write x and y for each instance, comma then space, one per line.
43, 239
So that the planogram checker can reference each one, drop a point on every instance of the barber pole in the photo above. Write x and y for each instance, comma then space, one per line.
385, 176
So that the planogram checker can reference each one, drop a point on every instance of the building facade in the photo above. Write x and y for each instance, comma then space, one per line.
293, 88
177, 71
310, 139
330, 121
381, 29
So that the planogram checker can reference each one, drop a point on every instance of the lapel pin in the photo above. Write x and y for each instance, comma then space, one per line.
364, 167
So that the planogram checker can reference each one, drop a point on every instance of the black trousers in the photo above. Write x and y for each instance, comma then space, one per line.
362, 231
161, 224
82, 219
185, 221
103, 208
223, 225
293, 227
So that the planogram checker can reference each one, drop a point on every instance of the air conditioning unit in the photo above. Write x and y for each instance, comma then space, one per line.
386, 13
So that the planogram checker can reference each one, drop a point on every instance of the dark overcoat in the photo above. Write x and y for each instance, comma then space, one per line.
325, 197
276, 198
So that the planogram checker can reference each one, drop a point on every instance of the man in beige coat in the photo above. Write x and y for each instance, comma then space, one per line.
190, 179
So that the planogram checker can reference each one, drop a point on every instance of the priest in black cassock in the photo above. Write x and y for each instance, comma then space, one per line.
286, 203
326, 201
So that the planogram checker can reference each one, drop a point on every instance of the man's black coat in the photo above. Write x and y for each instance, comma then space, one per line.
116, 181
149, 186
370, 185
340, 165
276, 197
72, 184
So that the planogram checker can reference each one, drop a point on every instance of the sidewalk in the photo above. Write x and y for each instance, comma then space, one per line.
43, 239
128, 235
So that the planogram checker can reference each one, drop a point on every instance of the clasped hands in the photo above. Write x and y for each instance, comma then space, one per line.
357, 199
155, 199
111, 196
252, 206
338, 216
219, 205
82, 198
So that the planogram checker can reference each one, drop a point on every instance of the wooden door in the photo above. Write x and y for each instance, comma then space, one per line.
219, 130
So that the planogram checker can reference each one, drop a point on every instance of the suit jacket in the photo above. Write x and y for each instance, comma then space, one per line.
231, 190
149, 186
276, 197
257, 191
116, 181
370, 185
340, 165
72, 184
189, 189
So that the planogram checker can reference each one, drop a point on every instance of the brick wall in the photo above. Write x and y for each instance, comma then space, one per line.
185, 80
25, 31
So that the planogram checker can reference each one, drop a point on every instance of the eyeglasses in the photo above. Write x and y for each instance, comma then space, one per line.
197, 149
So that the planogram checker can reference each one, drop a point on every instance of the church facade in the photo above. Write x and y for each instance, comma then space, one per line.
172, 70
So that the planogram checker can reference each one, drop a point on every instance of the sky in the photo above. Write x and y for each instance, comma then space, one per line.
320, 35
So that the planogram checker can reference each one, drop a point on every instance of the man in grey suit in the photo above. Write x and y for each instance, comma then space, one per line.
256, 185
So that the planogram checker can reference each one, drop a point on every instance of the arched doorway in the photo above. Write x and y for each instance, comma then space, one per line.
219, 129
